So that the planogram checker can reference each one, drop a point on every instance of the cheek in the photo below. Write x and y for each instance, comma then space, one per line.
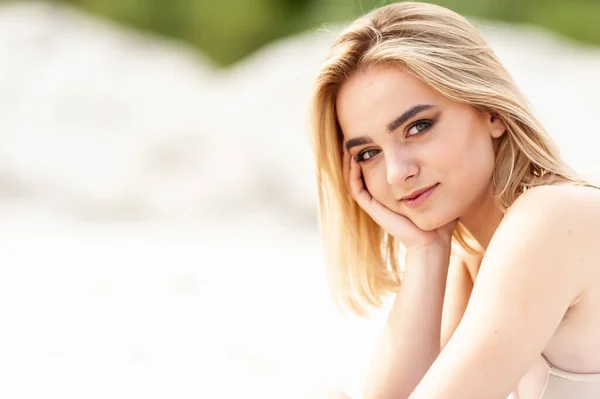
446, 156
476, 163
376, 182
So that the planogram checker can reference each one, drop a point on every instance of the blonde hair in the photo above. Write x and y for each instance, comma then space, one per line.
446, 52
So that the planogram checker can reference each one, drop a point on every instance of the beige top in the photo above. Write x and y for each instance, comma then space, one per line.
545, 381
562, 384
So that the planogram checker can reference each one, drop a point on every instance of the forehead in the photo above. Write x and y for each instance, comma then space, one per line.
370, 99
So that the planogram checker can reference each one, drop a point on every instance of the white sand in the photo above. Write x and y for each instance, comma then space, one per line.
158, 215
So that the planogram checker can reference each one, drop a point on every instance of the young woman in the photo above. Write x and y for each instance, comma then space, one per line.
438, 184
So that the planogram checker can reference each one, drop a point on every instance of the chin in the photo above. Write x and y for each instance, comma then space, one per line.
430, 223
427, 226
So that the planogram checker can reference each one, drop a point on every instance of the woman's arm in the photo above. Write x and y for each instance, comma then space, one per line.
411, 339
458, 290
527, 281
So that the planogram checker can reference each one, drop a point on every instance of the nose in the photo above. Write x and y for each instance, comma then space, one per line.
400, 168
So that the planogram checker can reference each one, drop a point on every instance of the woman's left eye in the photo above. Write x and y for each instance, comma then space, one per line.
418, 127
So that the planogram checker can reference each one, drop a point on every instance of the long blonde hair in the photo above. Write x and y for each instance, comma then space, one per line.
446, 52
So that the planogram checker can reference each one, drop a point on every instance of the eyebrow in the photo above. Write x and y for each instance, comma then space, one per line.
399, 121
395, 124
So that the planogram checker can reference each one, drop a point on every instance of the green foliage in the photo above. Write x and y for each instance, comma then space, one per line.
229, 30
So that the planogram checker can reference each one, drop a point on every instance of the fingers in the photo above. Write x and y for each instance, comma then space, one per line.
386, 218
357, 186
352, 176
359, 191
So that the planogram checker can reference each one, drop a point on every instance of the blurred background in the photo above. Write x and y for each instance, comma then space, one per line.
159, 232
231, 30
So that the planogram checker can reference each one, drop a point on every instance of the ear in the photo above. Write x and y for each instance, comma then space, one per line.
497, 127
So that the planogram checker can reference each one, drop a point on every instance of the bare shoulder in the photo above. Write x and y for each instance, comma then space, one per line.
559, 205
558, 224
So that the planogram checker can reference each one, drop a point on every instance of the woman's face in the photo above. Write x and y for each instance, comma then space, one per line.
407, 137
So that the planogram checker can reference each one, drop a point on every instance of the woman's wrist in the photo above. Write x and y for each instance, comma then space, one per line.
431, 251
428, 257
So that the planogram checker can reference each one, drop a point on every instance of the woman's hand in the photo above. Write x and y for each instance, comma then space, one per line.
398, 226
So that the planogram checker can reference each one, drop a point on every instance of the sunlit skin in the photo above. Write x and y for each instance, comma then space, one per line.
502, 312
441, 142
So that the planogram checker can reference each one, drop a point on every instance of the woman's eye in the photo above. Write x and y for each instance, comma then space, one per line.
366, 155
418, 128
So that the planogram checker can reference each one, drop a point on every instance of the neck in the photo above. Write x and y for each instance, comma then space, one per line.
483, 219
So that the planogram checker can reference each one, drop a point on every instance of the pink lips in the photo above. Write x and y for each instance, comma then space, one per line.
418, 200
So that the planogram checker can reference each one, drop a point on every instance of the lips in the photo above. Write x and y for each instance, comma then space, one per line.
415, 194
419, 197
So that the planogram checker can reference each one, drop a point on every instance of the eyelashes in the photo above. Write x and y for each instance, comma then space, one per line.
426, 123
416, 129
360, 156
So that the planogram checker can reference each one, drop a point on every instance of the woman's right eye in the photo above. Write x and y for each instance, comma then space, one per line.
366, 155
